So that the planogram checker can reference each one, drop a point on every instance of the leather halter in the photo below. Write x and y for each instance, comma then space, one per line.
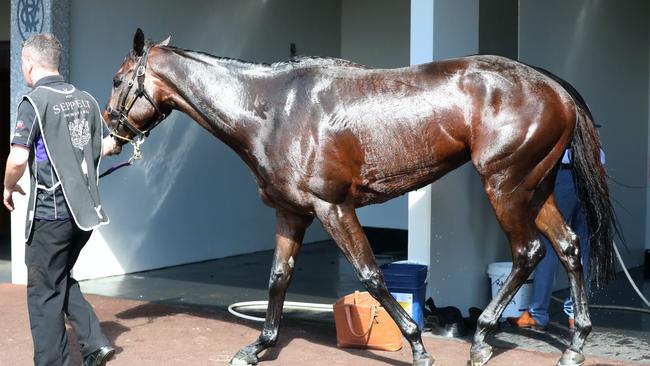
127, 102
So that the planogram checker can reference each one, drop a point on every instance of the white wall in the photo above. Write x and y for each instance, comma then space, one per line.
376, 33
190, 198
464, 236
601, 47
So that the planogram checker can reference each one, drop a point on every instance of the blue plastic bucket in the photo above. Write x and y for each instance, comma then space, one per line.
407, 283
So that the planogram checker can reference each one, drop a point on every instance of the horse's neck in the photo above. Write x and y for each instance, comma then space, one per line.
218, 96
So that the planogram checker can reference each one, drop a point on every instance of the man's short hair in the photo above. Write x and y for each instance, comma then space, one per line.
44, 49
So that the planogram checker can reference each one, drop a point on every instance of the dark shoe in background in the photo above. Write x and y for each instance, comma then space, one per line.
525, 321
99, 357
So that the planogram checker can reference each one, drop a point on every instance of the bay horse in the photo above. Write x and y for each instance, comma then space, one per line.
324, 136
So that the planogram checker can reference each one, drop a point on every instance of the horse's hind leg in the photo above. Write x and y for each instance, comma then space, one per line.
290, 230
342, 224
551, 223
515, 213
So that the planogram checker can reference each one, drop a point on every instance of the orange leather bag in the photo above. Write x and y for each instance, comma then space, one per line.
361, 322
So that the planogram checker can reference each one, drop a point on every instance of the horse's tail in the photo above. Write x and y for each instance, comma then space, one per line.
590, 181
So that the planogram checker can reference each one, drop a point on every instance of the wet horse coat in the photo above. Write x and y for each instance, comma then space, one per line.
325, 136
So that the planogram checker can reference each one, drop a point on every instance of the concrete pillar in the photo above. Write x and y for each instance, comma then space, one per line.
419, 202
451, 224
29, 17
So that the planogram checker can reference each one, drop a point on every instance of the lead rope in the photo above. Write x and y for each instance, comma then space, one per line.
137, 155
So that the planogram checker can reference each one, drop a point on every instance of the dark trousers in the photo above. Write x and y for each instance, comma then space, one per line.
52, 294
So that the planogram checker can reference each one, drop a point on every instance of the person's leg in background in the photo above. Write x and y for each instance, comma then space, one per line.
543, 284
574, 213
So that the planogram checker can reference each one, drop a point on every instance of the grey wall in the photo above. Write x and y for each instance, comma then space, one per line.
376, 33
190, 198
5, 6
601, 47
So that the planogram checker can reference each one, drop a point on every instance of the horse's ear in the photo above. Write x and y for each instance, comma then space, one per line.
138, 42
166, 41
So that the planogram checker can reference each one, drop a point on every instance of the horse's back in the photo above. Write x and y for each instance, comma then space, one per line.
376, 134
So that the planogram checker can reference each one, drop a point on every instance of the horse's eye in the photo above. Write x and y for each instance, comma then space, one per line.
116, 82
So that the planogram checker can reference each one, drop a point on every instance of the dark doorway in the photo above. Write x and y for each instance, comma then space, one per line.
499, 28
5, 113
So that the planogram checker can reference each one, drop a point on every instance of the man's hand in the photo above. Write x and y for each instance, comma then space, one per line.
16, 164
7, 198
110, 146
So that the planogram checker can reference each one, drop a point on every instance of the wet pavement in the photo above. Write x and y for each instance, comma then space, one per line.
323, 275
151, 334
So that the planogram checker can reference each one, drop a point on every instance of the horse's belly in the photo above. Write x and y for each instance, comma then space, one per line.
393, 175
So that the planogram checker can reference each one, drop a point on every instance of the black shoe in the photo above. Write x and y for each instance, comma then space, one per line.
99, 357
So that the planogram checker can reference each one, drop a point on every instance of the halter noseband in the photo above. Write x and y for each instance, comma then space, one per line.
122, 113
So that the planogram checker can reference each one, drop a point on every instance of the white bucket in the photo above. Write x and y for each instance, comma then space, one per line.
498, 273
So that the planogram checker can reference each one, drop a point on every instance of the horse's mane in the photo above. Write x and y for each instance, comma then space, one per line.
301, 61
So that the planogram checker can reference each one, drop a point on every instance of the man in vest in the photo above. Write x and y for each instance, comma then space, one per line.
61, 135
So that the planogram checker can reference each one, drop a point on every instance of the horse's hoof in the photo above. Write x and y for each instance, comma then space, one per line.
571, 358
424, 360
244, 359
480, 357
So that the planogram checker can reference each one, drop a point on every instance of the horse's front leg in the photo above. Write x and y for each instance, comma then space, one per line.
342, 224
290, 230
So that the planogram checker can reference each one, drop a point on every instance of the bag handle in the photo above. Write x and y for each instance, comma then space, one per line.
373, 313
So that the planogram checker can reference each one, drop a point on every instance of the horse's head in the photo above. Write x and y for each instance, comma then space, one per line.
137, 101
